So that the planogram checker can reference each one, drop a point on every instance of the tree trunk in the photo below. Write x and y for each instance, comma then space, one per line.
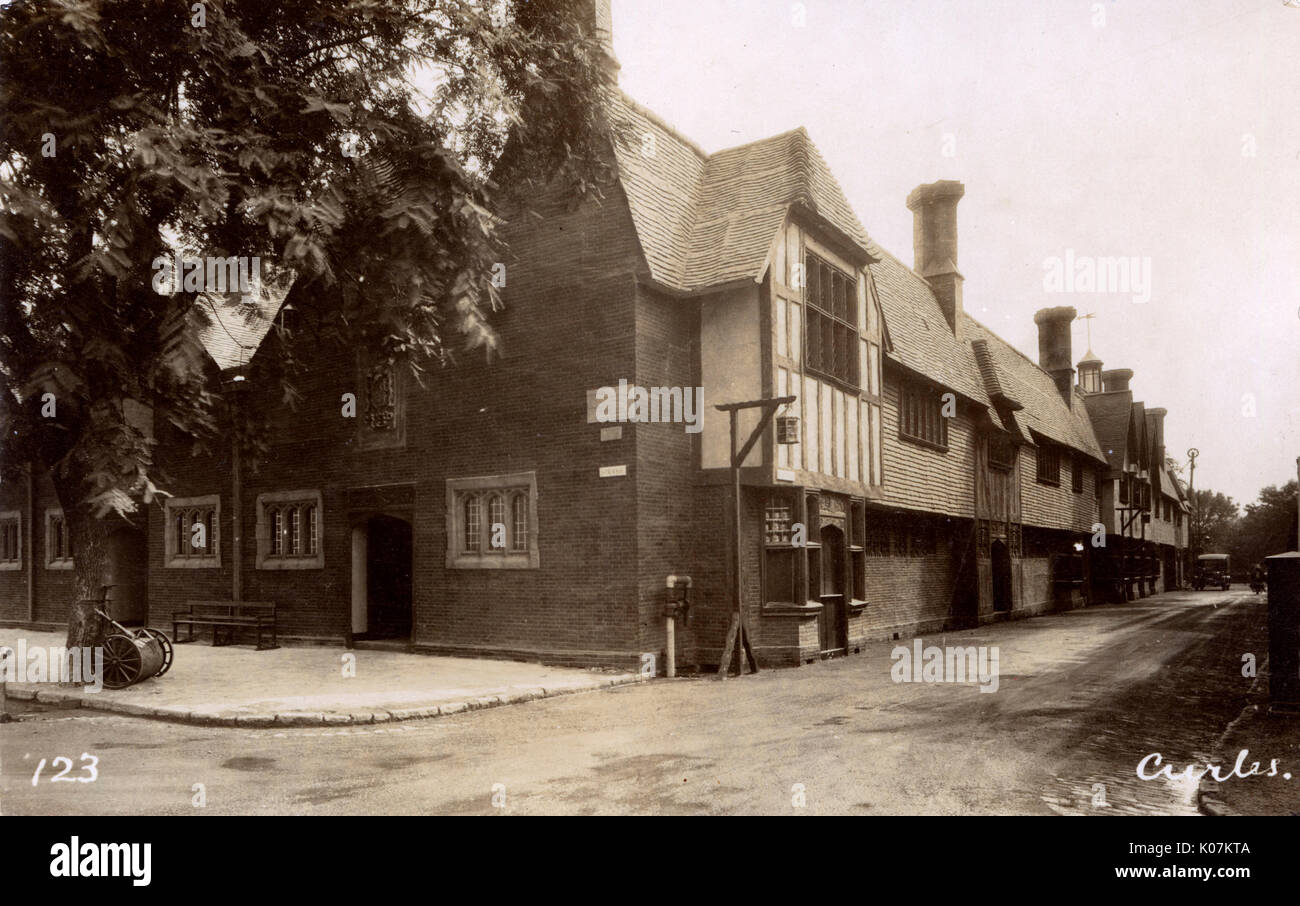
90, 553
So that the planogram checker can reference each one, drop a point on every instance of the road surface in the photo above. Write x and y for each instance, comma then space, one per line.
1082, 697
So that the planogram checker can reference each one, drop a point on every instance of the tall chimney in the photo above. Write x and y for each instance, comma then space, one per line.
934, 243
1116, 379
596, 17
1054, 347
1157, 417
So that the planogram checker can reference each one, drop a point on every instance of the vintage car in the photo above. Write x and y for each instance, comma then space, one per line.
1213, 571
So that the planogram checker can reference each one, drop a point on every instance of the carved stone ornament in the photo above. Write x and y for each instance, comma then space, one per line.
381, 398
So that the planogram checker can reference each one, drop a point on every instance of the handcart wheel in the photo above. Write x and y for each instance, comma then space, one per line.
166, 645
122, 661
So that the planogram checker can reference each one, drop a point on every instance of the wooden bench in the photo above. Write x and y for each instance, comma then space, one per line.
227, 618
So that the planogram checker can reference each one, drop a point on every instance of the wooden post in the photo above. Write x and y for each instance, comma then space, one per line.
737, 634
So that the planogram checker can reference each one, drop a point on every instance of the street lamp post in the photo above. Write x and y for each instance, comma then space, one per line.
1191, 524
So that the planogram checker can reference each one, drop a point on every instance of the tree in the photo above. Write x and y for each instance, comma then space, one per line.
1268, 526
1212, 521
297, 133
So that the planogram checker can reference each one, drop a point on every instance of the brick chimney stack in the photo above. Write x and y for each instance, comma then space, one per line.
934, 243
1116, 379
1157, 417
596, 16
1054, 354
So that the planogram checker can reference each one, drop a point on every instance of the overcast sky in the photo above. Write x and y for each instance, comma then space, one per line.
1160, 129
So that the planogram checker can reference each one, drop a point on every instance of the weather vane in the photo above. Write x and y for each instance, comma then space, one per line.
1088, 317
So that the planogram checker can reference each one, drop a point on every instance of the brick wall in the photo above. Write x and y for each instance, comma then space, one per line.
668, 535
568, 327
53, 588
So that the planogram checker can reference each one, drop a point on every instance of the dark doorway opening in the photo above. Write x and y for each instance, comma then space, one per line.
387, 612
833, 627
966, 588
1001, 576
128, 574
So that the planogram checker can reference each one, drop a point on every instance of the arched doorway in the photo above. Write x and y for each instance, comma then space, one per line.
833, 629
381, 578
1001, 576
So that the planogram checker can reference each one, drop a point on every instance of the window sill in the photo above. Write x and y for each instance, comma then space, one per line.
787, 609
856, 606
195, 563
840, 383
1050, 484
529, 560
17, 564
290, 563
921, 442
59, 564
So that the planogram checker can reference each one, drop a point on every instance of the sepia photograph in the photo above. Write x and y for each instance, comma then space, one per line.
650, 408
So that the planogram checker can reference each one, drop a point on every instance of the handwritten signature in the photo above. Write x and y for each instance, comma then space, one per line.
1191, 772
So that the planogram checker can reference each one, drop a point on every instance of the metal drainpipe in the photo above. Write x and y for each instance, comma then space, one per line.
237, 514
670, 634
31, 543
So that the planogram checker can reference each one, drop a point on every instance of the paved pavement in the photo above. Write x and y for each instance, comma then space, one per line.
1082, 698
313, 686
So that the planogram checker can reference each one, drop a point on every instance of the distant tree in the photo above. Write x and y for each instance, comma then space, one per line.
1213, 521
1268, 526
346, 142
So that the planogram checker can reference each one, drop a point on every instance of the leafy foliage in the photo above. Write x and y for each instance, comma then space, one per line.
1268, 526
1213, 521
361, 146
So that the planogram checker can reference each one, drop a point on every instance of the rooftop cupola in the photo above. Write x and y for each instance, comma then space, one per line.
1090, 373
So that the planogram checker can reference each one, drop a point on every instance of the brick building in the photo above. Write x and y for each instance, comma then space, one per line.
940, 478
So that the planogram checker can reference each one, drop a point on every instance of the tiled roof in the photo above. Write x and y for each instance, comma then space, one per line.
989, 372
922, 339
710, 219
660, 176
1174, 488
1140, 425
924, 343
1045, 412
230, 330
1110, 414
